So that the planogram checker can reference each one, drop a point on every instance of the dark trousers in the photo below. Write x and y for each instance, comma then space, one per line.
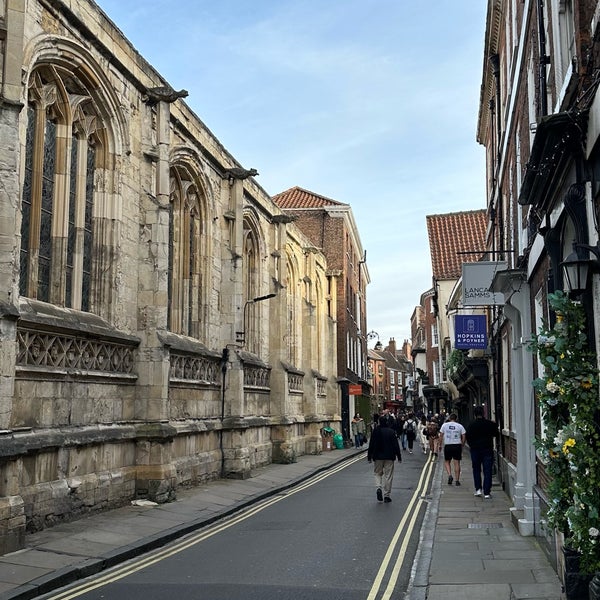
482, 459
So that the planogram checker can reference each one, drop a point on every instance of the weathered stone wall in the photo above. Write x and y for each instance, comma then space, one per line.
123, 400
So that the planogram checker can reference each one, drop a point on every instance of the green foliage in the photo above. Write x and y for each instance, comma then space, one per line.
455, 361
568, 395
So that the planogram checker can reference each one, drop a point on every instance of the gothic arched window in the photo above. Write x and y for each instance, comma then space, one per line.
187, 256
252, 277
63, 142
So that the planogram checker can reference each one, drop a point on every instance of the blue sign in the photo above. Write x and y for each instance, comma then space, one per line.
470, 332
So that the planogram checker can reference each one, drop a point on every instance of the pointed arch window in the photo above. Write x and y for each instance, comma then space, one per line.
293, 306
57, 209
252, 288
187, 256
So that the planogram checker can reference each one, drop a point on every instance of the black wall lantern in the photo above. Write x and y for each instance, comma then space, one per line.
576, 267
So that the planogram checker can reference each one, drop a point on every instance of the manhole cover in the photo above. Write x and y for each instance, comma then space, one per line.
485, 525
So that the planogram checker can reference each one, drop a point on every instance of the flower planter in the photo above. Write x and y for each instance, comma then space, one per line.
594, 589
576, 585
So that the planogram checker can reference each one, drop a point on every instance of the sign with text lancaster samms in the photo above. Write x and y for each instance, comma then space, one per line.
477, 280
470, 332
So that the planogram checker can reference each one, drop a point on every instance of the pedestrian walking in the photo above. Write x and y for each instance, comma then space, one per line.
383, 450
453, 437
410, 429
432, 430
480, 435
358, 430
401, 432
422, 433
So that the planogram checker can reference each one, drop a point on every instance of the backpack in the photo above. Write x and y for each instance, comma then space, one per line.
409, 426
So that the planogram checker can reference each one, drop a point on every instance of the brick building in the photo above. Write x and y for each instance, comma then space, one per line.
331, 228
454, 239
539, 122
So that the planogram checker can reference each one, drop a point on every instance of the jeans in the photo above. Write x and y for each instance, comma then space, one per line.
482, 459
357, 440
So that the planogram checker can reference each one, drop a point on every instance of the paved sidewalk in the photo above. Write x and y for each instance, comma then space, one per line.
470, 549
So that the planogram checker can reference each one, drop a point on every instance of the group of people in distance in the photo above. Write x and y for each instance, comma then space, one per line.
391, 431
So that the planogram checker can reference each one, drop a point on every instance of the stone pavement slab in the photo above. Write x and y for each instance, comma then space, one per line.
470, 550
500, 591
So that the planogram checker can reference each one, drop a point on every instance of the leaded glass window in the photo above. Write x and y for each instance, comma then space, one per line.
45, 248
186, 253
61, 148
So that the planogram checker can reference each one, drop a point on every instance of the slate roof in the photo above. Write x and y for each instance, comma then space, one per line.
450, 235
298, 197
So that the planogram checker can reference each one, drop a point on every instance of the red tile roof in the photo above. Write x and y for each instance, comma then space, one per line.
298, 197
452, 234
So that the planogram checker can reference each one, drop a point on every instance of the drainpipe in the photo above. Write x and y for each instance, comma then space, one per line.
544, 59
495, 62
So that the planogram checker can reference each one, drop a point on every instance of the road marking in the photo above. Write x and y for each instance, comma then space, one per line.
141, 563
412, 508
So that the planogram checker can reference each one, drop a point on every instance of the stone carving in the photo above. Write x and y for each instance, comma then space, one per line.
163, 94
51, 351
255, 376
295, 382
239, 173
195, 368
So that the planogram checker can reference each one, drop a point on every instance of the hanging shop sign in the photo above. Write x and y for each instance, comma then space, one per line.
470, 332
477, 279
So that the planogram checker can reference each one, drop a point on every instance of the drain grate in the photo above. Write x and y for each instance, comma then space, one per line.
485, 525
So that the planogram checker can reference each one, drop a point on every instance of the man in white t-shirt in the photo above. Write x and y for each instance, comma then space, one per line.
453, 436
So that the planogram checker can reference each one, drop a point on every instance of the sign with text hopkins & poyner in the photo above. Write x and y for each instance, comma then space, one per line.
470, 332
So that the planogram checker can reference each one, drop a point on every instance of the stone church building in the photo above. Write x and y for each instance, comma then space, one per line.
162, 321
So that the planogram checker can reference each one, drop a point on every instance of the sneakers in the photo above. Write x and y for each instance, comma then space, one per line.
487, 496
379, 495
387, 499
450, 479
477, 493
457, 482
410, 451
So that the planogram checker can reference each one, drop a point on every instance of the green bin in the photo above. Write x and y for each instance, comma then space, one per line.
338, 440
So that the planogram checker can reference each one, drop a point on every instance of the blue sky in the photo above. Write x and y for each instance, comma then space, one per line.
370, 102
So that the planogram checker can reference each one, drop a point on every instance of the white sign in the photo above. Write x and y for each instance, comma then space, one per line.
477, 279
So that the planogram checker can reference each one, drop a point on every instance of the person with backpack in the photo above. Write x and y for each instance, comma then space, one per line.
410, 429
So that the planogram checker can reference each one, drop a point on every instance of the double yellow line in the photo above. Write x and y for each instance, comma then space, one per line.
193, 539
410, 515
401, 536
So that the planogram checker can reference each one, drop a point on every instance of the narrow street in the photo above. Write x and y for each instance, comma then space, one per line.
327, 538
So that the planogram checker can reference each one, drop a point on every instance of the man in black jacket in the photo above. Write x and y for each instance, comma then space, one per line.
383, 450
481, 434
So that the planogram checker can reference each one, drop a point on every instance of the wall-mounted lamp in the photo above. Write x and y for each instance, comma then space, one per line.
576, 267
240, 336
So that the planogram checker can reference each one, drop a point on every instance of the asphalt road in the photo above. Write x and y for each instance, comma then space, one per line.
328, 538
